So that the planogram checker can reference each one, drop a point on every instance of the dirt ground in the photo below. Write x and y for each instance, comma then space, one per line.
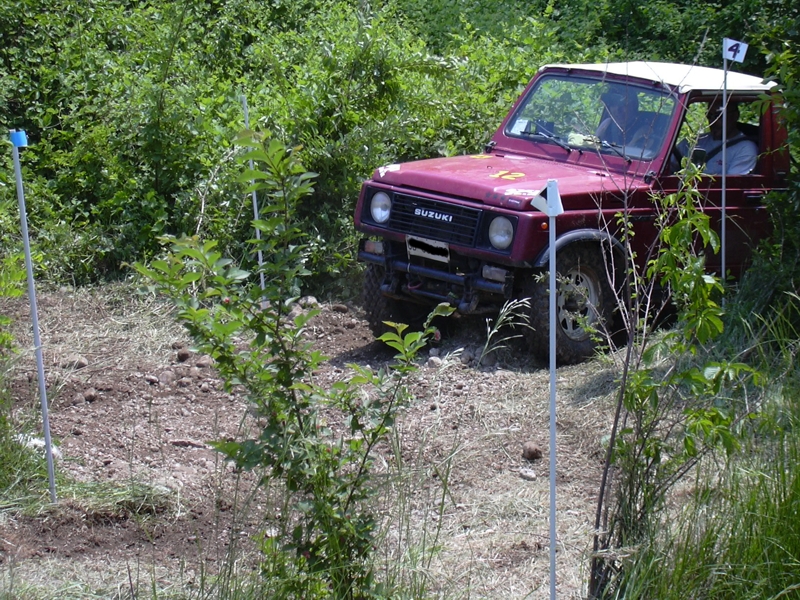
130, 403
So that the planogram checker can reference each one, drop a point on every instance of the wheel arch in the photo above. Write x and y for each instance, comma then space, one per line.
579, 236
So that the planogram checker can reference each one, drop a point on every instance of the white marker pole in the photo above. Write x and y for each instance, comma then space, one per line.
552, 207
255, 202
724, 158
736, 51
20, 140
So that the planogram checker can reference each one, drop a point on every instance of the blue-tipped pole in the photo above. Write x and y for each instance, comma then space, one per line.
20, 140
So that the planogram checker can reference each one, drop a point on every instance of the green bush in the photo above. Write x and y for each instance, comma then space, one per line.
316, 446
131, 114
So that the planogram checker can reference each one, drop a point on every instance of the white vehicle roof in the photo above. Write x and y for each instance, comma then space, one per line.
685, 78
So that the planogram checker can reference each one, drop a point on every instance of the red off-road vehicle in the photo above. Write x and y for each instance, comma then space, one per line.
462, 230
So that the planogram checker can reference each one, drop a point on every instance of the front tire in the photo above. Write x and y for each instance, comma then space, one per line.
378, 308
584, 304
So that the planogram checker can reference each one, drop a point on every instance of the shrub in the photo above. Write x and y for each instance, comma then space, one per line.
316, 444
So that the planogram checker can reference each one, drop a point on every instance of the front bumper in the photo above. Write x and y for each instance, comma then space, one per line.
464, 287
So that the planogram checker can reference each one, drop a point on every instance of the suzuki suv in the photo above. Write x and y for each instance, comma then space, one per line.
463, 229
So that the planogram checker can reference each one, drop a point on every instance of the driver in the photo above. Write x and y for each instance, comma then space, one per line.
621, 123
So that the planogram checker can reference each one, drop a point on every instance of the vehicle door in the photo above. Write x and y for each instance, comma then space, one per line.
746, 181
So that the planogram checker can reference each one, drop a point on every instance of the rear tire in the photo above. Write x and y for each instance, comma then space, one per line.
584, 300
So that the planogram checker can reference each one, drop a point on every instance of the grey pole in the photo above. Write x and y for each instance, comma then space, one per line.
553, 299
724, 159
552, 207
20, 140
255, 200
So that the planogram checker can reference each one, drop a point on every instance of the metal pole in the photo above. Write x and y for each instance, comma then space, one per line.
553, 297
724, 159
736, 51
255, 200
18, 140
552, 208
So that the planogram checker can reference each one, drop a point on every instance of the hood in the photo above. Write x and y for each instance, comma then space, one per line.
496, 179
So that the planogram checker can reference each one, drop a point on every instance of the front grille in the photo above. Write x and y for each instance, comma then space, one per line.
435, 220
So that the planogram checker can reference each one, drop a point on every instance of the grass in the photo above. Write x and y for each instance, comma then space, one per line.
734, 534
738, 539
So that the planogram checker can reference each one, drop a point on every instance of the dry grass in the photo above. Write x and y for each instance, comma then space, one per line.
458, 456
111, 325
494, 525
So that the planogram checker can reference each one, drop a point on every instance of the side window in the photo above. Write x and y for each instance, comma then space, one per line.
694, 124
700, 137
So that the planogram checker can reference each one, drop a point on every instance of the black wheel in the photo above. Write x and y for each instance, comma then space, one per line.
584, 303
379, 308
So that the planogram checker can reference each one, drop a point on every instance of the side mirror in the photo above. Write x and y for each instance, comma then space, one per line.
699, 156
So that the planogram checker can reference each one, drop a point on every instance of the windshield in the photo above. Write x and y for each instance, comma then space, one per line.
610, 117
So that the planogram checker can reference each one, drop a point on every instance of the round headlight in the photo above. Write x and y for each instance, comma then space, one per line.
380, 207
501, 233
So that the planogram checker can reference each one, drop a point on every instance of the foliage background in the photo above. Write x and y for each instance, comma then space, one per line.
131, 108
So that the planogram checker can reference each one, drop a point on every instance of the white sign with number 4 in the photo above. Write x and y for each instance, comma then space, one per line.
733, 50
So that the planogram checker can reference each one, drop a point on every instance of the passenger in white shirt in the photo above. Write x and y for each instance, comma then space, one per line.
741, 153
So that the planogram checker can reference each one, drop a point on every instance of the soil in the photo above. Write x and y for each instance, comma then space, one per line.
133, 408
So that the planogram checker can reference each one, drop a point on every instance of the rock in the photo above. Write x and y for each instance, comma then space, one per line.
151, 379
196, 373
37, 444
90, 395
489, 360
296, 311
204, 362
531, 451
308, 302
204, 387
167, 377
466, 357
351, 324
527, 474
178, 345
184, 382
340, 308
183, 354
434, 362
184, 474
73, 361
187, 443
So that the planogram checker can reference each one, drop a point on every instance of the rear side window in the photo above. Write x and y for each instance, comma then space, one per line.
701, 136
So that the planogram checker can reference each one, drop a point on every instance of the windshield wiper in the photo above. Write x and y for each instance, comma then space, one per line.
614, 149
548, 137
